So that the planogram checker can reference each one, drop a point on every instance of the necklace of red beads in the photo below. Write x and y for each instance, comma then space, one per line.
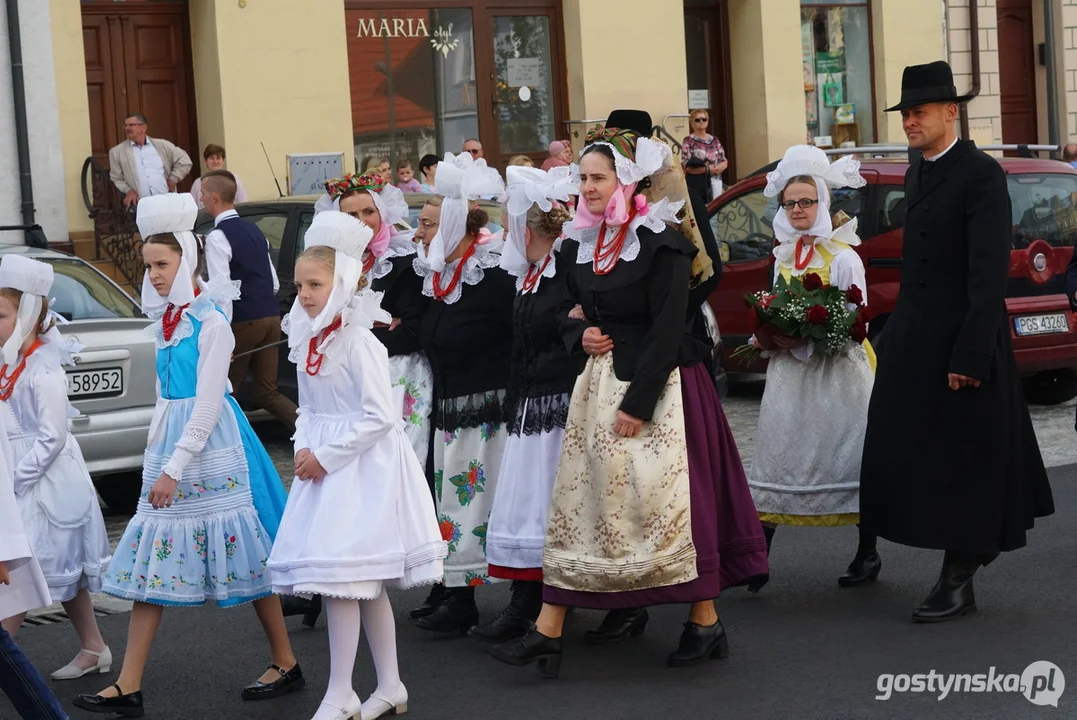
172, 317
608, 253
7, 382
439, 293
315, 358
533, 275
801, 264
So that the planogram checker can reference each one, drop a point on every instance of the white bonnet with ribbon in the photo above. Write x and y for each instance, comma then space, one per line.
461, 179
33, 279
529, 186
173, 213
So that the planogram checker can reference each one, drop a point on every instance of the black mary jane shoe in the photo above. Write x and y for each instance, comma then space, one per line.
862, 570
129, 705
437, 593
529, 648
457, 613
289, 681
698, 643
617, 625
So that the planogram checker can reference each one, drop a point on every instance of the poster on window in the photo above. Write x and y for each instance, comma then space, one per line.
807, 47
833, 90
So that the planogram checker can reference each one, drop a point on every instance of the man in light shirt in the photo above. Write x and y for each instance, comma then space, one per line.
236, 250
142, 166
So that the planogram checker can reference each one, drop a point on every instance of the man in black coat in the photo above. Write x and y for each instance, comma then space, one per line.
951, 460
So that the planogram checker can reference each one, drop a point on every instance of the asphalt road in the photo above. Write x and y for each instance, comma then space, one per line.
801, 649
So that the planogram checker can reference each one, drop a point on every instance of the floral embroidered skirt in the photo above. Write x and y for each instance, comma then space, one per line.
210, 544
518, 519
679, 484
469, 442
412, 372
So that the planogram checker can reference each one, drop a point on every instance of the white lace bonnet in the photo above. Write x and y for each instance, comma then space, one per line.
529, 186
651, 156
173, 213
34, 279
349, 237
461, 179
810, 160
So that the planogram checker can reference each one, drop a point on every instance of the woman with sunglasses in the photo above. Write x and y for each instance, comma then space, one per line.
703, 158
814, 410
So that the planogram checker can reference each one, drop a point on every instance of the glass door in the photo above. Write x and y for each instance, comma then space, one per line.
527, 80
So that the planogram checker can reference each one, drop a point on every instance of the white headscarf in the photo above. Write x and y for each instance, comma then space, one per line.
529, 186
170, 213
33, 279
813, 162
461, 179
349, 237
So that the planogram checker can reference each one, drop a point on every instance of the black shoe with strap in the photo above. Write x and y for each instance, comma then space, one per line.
289, 681
617, 625
457, 613
437, 593
517, 617
129, 705
534, 646
700, 643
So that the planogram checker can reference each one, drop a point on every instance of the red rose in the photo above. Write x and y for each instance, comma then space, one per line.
858, 332
854, 295
864, 315
817, 314
812, 281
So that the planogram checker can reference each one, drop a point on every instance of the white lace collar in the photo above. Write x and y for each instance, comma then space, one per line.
655, 220
486, 256
201, 308
400, 245
785, 253
362, 311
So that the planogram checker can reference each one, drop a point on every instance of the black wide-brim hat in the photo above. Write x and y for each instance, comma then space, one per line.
636, 120
931, 83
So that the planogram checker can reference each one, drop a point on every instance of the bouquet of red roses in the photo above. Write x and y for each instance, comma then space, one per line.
805, 308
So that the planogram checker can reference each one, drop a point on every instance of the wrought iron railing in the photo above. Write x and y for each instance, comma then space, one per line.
115, 233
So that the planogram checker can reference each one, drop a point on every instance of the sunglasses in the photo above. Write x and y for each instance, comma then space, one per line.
803, 204
701, 120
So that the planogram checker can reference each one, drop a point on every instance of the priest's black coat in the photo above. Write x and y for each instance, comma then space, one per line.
952, 469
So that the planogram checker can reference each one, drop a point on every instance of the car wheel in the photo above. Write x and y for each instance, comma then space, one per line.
1051, 387
120, 492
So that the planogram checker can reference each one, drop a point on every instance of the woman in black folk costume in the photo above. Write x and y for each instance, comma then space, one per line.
466, 334
646, 442
540, 383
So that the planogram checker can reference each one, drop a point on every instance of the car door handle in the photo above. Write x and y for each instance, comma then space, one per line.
80, 419
96, 356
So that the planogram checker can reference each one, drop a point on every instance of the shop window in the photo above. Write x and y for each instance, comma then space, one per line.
525, 88
838, 97
413, 82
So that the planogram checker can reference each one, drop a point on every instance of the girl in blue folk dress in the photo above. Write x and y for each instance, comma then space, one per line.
197, 535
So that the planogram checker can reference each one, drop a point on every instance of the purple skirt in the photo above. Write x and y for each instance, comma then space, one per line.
727, 534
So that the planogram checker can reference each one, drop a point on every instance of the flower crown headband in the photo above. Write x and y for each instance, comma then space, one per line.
367, 181
623, 141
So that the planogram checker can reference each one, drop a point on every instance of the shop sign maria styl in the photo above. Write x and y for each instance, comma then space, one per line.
441, 39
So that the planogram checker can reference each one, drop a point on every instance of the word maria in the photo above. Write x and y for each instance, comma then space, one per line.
393, 28
1042, 683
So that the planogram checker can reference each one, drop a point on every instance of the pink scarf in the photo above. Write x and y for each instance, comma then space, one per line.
616, 213
380, 243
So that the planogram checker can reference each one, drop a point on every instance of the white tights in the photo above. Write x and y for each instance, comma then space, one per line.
380, 627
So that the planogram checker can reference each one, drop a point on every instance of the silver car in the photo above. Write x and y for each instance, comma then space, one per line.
113, 381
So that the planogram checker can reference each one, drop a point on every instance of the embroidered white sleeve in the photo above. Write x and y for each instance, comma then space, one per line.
47, 397
215, 346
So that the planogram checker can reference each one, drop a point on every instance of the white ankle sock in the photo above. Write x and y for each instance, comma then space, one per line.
380, 628
343, 618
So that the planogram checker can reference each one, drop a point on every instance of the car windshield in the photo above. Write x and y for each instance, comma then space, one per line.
79, 292
1044, 206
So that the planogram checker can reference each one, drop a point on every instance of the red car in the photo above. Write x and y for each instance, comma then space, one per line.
1044, 201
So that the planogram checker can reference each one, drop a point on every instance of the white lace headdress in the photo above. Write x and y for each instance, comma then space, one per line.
529, 186
811, 161
461, 179
173, 213
33, 279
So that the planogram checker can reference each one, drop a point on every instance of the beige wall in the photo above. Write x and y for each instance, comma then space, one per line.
74, 106
768, 87
1066, 12
274, 71
908, 33
985, 111
601, 36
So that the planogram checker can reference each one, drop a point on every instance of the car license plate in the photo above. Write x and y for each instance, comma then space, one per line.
95, 382
1041, 324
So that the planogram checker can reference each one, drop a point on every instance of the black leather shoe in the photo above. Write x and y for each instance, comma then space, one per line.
757, 582
123, 705
529, 648
437, 592
309, 609
289, 681
457, 613
952, 597
517, 617
698, 643
617, 625
862, 570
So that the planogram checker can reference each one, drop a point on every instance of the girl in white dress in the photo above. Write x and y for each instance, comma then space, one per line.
359, 518
56, 497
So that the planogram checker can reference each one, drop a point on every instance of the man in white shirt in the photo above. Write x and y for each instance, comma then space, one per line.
236, 250
142, 166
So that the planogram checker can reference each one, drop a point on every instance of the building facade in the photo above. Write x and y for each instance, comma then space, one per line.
404, 78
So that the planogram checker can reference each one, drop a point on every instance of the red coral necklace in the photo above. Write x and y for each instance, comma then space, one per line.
440, 294
172, 317
606, 256
7, 383
801, 264
315, 358
531, 280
